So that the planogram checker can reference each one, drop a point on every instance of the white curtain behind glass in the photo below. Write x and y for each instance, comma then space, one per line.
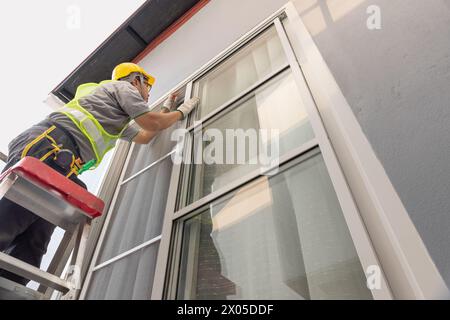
286, 238
139, 211
252, 63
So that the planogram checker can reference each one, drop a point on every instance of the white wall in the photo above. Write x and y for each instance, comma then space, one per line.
206, 34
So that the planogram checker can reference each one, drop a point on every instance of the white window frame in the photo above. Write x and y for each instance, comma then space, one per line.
380, 226
123, 179
162, 287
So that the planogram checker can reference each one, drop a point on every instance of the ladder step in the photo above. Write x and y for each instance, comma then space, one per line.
10, 290
28, 271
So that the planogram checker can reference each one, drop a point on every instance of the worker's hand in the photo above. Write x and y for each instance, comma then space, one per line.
169, 103
188, 106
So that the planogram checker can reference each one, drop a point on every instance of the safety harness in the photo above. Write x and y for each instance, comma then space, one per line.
64, 158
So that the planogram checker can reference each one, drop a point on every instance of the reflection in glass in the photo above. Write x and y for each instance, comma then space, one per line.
282, 237
139, 210
145, 154
274, 106
130, 278
250, 64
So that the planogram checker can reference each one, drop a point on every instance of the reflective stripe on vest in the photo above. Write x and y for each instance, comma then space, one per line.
87, 126
101, 141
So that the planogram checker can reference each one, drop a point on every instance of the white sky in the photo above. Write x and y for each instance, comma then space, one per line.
39, 49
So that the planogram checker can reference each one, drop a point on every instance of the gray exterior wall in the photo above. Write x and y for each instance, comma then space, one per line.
396, 80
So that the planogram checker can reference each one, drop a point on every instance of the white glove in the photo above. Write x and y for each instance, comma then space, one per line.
169, 103
188, 106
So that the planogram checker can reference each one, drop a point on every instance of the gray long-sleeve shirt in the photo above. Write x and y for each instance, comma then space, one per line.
113, 104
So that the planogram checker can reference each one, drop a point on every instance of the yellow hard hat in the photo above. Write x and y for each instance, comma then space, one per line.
126, 68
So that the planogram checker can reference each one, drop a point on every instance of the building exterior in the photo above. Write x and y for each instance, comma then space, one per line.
359, 93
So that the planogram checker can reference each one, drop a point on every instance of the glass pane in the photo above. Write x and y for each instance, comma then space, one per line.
250, 64
282, 237
130, 278
276, 105
139, 210
145, 154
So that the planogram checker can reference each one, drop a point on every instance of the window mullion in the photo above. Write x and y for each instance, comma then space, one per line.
233, 100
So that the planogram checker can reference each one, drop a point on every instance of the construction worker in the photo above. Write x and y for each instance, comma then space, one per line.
76, 138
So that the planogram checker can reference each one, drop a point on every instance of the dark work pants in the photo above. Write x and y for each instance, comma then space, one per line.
24, 235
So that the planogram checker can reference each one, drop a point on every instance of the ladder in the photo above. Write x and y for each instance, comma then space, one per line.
51, 196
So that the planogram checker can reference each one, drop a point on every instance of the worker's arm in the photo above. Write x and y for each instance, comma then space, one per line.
156, 121
144, 137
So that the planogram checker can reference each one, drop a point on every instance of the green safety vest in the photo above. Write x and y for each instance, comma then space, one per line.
101, 141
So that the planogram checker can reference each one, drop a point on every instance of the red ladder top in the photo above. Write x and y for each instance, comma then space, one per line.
36, 171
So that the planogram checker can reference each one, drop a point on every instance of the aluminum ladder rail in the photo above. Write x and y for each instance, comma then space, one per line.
51, 205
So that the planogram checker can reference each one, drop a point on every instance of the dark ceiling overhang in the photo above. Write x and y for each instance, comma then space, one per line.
127, 42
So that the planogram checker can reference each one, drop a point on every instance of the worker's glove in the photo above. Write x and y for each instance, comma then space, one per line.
188, 106
169, 103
